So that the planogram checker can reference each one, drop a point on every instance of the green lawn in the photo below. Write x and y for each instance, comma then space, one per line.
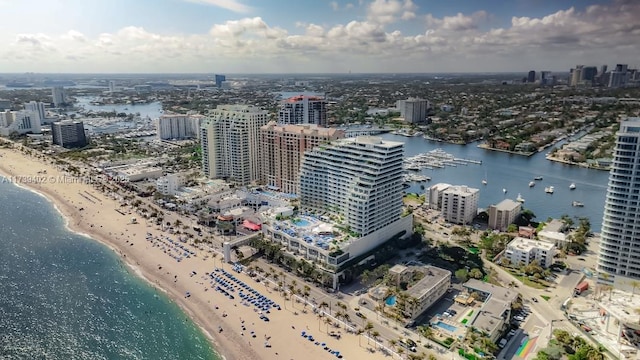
545, 297
525, 280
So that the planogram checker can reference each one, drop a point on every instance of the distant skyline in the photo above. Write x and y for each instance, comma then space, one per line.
313, 36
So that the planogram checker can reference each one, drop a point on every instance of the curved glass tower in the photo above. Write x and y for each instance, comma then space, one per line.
619, 258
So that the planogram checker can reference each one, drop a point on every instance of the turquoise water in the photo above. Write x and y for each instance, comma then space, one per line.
391, 300
442, 325
64, 296
302, 223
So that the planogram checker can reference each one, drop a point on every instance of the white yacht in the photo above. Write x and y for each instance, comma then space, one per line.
520, 198
572, 186
484, 182
549, 189
532, 183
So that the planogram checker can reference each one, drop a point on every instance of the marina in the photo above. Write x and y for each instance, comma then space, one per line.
436, 159
499, 171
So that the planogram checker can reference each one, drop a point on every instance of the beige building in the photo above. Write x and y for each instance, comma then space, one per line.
460, 204
503, 214
230, 138
427, 290
521, 251
282, 148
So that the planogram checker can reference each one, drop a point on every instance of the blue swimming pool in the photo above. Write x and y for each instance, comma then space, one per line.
302, 222
449, 328
391, 300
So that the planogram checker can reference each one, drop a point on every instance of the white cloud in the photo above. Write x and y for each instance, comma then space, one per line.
600, 34
388, 11
334, 5
232, 5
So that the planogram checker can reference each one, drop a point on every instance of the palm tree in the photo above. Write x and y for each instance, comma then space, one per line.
368, 327
359, 333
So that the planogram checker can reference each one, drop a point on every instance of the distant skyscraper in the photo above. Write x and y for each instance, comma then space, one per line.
230, 139
545, 78
219, 80
576, 75
415, 110
58, 96
37, 108
531, 77
112, 86
179, 126
619, 256
619, 76
589, 74
303, 110
69, 134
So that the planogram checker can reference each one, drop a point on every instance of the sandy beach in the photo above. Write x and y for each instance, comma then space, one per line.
147, 249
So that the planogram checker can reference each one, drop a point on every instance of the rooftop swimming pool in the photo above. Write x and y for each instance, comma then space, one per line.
445, 326
302, 222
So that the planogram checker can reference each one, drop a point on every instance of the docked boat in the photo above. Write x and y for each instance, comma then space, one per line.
520, 198
572, 186
484, 182
532, 183
537, 178
549, 189
577, 204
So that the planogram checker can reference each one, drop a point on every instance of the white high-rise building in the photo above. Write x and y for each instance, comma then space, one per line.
230, 138
179, 126
359, 179
19, 122
460, 204
58, 96
112, 86
303, 110
37, 108
170, 183
619, 256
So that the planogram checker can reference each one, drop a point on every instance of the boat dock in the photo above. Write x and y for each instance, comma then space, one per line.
436, 158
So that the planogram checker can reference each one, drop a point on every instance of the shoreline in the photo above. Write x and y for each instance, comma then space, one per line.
104, 219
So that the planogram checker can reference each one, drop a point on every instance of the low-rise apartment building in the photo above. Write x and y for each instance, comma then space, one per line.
521, 251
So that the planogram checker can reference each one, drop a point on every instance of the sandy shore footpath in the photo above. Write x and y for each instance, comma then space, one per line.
104, 219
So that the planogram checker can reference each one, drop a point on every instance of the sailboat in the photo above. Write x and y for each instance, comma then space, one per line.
504, 190
484, 181
520, 198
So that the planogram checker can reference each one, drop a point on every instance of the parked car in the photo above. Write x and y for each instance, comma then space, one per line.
518, 318
360, 315
534, 299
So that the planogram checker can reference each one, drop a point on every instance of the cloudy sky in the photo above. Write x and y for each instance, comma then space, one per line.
315, 36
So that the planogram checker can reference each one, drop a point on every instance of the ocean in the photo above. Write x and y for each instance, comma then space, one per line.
66, 296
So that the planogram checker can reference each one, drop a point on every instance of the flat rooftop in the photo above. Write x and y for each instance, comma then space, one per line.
525, 244
432, 276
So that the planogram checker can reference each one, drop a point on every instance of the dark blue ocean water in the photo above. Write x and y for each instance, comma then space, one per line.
513, 173
65, 296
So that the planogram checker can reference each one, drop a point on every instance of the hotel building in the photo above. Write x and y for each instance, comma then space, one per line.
230, 138
179, 126
357, 182
303, 110
619, 256
503, 214
69, 134
19, 122
460, 204
38, 109
359, 179
282, 149
522, 251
